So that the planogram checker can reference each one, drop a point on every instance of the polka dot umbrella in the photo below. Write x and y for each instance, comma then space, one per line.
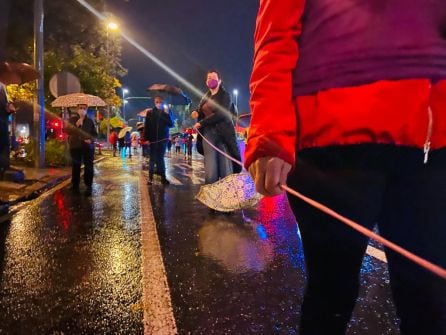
74, 99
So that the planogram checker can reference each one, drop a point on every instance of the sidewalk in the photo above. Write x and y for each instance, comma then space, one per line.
36, 182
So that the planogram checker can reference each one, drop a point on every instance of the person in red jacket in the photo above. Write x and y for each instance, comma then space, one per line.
113, 138
358, 124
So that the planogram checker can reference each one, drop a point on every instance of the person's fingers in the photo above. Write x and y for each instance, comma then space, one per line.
273, 175
259, 180
286, 168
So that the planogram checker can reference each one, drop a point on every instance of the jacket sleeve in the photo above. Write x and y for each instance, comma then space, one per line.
147, 126
93, 131
273, 124
166, 118
221, 111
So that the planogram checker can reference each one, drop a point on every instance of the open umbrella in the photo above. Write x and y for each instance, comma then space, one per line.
175, 95
236, 191
74, 99
165, 88
143, 113
123, 131
17, 73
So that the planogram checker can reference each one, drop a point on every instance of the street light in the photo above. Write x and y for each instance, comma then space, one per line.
235, 93
124, 92
110, 26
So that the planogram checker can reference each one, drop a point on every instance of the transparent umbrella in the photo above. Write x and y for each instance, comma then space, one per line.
234, 192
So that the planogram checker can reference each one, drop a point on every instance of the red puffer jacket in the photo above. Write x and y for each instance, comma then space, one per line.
392, 112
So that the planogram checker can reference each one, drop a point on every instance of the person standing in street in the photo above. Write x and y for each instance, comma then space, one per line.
156, 131
114, 142
352, 94
128, 143
215, 123
4, 135
82, 131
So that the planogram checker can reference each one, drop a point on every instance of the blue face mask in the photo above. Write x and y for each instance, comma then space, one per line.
159, 106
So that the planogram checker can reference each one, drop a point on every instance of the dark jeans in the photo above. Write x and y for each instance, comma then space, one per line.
4, 145
229, 138
216, 166
85, 155
372, 184
157, 152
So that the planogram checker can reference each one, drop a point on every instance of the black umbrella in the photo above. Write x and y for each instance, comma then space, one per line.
175, 95
17, 73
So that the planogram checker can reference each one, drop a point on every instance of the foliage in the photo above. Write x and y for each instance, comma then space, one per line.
23, 92
55, 152
74, 41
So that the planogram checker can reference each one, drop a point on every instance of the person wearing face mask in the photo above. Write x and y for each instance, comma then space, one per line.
82, 131
215, 123
156, 131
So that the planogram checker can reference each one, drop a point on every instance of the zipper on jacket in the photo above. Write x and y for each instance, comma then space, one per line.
430, 124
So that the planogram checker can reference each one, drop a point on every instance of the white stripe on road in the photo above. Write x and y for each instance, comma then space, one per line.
158, 312
378, 254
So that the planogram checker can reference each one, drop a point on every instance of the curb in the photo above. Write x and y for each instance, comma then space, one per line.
4, 207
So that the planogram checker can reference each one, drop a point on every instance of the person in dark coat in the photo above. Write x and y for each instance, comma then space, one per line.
156, 131
82, 131
215, 123
4, 136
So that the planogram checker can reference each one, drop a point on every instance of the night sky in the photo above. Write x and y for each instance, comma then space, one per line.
187, 35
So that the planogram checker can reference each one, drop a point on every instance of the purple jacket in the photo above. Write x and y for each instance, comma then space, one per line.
353, 42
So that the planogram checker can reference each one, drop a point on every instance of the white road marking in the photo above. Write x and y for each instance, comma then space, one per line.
378, 254
158, 311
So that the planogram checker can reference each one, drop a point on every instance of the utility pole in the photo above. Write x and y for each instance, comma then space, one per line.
39, 102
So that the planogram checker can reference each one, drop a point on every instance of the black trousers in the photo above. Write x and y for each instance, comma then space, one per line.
85, 155
4, 145
157, 152
372, 184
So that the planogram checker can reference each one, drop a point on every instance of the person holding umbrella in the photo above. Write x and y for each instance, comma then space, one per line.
82, 131
156, 131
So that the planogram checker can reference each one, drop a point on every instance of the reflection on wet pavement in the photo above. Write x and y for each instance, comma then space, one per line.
228, 275
72, 264
238, 249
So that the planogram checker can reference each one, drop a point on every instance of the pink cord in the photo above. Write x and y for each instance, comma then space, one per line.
439, 271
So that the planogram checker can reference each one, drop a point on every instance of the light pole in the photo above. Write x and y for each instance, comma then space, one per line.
235, 93
124, 92
39, 105
110, 26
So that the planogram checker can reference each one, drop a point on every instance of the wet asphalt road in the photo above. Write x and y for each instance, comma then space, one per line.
231, 276
72, 265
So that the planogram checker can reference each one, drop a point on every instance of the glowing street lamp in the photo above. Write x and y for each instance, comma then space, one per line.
124, 92
112, 25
